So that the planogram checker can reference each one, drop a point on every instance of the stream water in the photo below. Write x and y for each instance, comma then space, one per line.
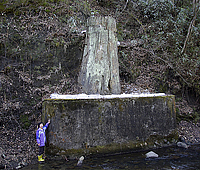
169, 158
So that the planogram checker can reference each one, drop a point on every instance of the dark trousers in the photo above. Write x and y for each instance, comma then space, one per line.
41, 150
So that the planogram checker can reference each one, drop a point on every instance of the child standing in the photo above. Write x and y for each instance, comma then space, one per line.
41, 139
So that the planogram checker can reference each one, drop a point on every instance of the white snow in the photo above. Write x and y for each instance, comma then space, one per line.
98, 96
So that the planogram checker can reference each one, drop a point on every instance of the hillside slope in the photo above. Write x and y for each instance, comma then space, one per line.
41, 47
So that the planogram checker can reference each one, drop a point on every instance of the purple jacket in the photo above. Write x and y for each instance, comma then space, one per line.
40, 135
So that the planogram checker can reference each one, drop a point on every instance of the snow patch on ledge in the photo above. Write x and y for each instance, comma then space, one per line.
98, 96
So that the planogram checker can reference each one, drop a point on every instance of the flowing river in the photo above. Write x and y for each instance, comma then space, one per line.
169, 158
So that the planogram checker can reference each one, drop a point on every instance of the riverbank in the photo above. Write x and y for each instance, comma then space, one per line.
190, 131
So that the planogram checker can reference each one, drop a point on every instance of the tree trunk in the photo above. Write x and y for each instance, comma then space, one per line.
100, 68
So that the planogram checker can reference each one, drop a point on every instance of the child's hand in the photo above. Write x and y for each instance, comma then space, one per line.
49, 121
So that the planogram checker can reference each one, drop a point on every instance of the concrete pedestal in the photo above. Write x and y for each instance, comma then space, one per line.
108, 125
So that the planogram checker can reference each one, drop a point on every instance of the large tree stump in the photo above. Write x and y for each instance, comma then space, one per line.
100, 67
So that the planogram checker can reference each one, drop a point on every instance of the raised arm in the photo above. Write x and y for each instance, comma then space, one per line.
47, 124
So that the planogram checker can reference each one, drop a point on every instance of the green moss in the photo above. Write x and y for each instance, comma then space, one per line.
171, 103
48, 111
159, 140
2, 6
25, 121
100, 120
120, 107
169, 99
63, 106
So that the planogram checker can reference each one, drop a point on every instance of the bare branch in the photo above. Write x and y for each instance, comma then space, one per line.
196, 10
124, 7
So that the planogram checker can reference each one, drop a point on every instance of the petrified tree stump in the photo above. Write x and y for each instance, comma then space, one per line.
100, 67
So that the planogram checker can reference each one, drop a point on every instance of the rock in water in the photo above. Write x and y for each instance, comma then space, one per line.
182, 145
80, 161
151, 154
100, 67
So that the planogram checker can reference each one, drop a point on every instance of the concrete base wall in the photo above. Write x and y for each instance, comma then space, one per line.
91, 125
